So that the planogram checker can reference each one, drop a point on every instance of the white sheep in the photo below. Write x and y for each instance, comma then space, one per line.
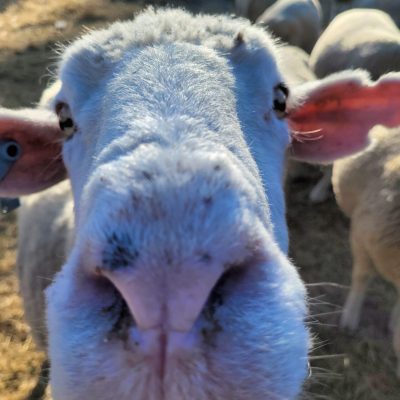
392, 7
297, 22
367, 39
45, 221
294, 65
367, 189
252, 9
177, 283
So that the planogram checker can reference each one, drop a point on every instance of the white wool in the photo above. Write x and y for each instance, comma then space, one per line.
252, 9
296, 22
359, 38
366, 187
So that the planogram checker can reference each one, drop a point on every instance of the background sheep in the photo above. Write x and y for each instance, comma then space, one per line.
367, 190
297, 22
295, 66
47, 217
367, 39
252, 9
392, 7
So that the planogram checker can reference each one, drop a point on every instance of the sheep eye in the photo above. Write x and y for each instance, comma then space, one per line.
281, 93
65, 120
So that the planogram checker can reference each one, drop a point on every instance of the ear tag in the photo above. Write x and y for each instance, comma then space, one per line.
10, 152
8, 205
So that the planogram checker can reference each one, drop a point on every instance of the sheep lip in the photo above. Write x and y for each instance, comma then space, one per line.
160, 347
169, 342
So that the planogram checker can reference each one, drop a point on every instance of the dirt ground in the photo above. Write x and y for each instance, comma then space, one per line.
344, 367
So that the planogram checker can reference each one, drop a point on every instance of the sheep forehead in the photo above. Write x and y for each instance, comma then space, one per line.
98, 52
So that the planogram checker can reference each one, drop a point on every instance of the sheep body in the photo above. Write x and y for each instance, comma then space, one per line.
252, 9
297, 22
366, 187
392, 7
45, 225
367, 39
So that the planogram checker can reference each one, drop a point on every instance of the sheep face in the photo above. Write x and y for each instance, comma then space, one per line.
177, 286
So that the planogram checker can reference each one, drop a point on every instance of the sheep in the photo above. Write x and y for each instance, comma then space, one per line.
366, 188
252, 9
294, 65
297, 22
391, 7
367, 39
48, 218
176, 281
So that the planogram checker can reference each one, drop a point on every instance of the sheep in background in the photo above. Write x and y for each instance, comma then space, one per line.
252, 9
294, 64
45, 225
174, 136
367, 189
297, 22
42, 216
367, 39
391, 7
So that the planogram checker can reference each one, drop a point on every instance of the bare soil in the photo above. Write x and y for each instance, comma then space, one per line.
344, 367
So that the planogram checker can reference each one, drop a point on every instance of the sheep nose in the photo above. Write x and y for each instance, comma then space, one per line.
171, 303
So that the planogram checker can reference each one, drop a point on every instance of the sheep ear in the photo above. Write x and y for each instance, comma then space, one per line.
335, 114
30, 151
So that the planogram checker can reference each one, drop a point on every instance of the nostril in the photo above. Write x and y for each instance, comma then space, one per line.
123, 320
216, 296
143, 297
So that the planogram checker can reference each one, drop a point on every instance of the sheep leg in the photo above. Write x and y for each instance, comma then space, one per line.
320, 192
395, 326
395, 314
39, 391
361, 275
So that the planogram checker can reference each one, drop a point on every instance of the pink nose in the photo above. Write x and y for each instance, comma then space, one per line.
166, 305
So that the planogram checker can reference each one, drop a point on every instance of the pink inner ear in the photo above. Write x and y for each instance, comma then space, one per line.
336, 117
40, 165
